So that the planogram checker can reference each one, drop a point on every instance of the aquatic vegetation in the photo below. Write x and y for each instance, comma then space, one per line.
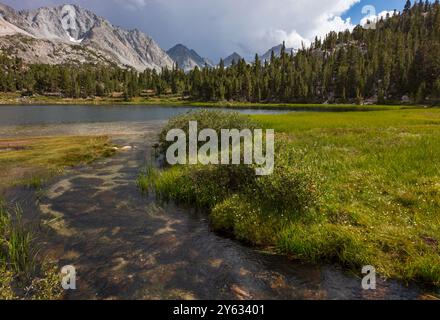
21, 274
17, 252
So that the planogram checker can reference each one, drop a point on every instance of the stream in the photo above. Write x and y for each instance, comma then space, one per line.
125, 245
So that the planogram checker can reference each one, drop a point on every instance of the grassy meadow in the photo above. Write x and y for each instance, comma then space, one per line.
353, 188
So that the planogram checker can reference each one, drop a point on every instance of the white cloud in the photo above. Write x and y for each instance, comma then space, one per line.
292, 39
331, 23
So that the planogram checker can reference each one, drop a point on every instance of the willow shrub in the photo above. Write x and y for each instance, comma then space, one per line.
252, 208
206, 119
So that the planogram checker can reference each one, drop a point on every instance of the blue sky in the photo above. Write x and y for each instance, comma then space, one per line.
216, 28
389, 5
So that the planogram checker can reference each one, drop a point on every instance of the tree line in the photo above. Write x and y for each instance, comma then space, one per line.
398, 59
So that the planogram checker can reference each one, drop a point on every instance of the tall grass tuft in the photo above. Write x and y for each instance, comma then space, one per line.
16, 251
147, 179
22, 275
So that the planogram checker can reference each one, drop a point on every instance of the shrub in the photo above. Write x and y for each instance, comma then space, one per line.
206, 119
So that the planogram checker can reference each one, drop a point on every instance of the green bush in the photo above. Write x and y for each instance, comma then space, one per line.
206, 119
290, 190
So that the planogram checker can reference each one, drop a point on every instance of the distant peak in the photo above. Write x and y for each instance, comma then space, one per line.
77, 7
235, 55
179, 47
186, 58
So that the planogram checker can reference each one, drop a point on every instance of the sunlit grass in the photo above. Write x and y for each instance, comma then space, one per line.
31, 161
382, 187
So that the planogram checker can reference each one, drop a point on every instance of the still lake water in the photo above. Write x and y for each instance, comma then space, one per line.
34, 115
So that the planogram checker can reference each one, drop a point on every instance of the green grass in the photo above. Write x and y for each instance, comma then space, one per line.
381, 189
352, 188
31, 161
16, 242
21, 274
302, 106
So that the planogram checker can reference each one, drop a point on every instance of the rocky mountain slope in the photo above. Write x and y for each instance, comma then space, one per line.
7, 28
71, 33
188, 59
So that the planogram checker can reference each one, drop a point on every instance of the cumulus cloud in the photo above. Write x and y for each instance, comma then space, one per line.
216, 28
292, 39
